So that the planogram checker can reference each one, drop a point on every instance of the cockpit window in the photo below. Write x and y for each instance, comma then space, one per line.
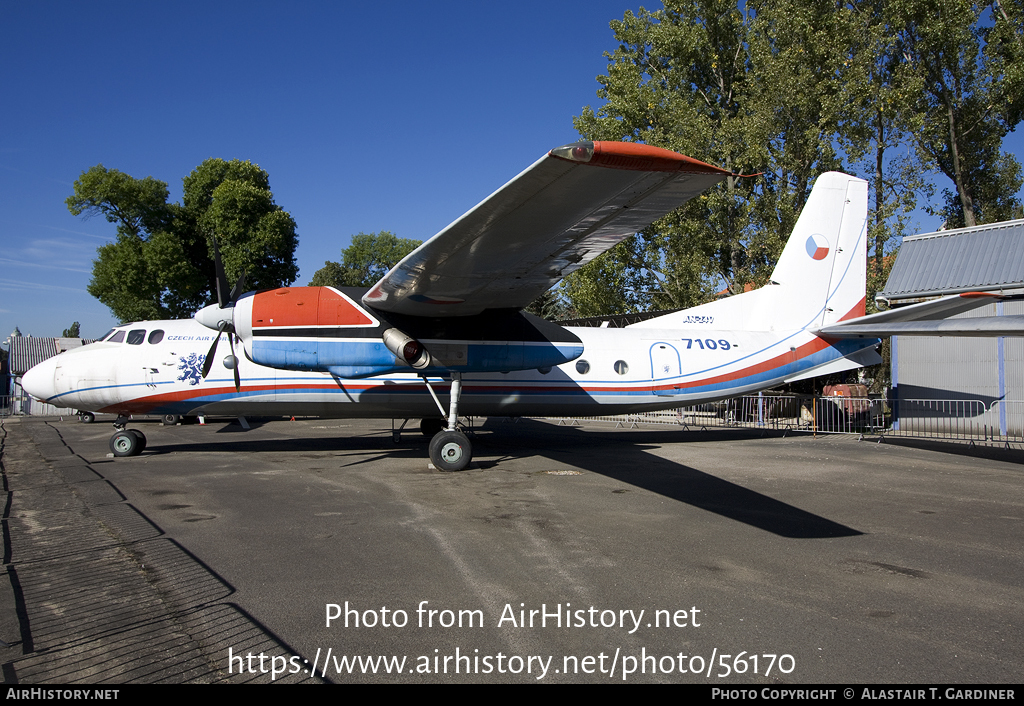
104, 336
136, 336
156, 336
117, 337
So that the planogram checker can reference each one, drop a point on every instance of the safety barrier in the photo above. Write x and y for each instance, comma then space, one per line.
775, 412
962, 420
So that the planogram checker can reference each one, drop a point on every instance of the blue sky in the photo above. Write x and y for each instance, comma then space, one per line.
367, 116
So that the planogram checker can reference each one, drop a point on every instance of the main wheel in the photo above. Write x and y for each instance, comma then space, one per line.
86, 417
450, 451
125, 443
431, 426
169, 420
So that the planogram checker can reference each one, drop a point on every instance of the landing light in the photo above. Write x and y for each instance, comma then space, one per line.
576, 152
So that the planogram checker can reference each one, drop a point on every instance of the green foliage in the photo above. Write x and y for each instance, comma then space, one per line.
969, 96
364, 261
161, 264
705, 78
137, 206
72, 332
775, 86
605, 285
550, 306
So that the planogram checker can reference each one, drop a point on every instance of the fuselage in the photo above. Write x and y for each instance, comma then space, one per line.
154, 368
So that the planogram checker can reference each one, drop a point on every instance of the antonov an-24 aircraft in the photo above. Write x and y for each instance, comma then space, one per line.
446, 323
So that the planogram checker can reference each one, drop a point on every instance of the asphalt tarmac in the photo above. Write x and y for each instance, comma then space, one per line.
562, 554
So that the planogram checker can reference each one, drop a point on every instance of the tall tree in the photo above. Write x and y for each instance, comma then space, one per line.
676, 81
365, 260
775, 86
877, 122
161, 263
707, 78
969, 98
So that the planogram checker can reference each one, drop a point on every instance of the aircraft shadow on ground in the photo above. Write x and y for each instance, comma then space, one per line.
623, 456
619, 455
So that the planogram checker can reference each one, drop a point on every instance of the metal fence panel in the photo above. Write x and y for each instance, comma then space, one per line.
962, 420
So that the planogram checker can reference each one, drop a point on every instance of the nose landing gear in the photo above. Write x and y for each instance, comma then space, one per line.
126, 442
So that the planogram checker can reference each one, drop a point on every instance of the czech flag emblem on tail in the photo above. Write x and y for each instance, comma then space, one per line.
817, 246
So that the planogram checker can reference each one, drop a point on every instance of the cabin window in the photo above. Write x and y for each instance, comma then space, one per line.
621, 367
117, 337
156, 336
136, 336
582, 367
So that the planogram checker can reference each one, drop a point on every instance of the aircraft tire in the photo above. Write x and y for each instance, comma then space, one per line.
142, 440
450, 451
86, 417
125, 443
432, 426
169, 420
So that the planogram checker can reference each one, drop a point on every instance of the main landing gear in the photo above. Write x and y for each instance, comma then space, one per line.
450, 449
126, 442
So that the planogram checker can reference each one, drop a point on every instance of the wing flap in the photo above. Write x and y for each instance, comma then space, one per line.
551, 219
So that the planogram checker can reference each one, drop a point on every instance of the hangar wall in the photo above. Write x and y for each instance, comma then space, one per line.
980, 380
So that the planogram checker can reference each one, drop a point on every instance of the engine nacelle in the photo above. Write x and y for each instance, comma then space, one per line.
322, 329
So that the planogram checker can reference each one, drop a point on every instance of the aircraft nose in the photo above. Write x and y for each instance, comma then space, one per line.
39, 381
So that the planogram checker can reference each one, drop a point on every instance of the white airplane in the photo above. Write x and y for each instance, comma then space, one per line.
446, 322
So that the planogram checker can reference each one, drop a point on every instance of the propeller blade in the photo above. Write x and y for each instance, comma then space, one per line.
238, 380
238, 289
208, 363
222, 280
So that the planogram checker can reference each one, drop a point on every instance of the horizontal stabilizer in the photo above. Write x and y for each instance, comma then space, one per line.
929, 319
985, 326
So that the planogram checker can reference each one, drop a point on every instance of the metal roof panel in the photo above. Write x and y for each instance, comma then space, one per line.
987, 257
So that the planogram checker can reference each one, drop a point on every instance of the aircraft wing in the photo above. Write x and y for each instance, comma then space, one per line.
566, 209
929, 319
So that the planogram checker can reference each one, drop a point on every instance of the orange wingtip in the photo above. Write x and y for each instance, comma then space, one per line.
971, 295
633, 156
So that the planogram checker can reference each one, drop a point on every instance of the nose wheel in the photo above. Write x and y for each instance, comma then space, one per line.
127, 442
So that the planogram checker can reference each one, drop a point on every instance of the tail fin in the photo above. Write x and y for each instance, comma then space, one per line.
820, 278
822, 270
